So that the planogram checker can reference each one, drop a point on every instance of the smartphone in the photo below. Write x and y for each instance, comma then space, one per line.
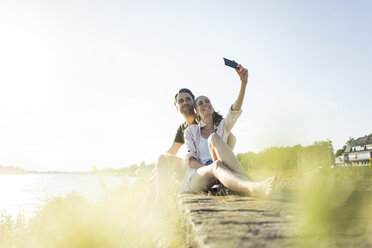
231, 63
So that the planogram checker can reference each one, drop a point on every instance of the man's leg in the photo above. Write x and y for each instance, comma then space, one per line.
171, 166
169, 171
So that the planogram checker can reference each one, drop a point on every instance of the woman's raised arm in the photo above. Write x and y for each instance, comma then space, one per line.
243, 74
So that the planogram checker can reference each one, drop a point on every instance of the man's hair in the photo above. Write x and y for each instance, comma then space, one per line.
184, 90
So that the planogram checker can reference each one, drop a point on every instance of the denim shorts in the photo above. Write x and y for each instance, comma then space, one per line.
209, 162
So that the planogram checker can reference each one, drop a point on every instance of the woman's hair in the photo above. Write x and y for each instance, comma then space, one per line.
216, 116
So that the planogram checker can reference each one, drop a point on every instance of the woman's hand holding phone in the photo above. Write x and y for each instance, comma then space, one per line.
243, 73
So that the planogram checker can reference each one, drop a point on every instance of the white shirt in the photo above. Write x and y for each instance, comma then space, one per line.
204, 154
193, 133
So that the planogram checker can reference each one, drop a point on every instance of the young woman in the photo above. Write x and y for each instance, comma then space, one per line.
209, 158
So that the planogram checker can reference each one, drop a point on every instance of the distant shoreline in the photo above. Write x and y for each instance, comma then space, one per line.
132, 171
67, 173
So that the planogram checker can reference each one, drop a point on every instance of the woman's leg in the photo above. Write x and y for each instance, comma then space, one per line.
221, 151
205, 177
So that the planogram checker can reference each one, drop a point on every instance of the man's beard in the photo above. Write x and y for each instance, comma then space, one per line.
188, 110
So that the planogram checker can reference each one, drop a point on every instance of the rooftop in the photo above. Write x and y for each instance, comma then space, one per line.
362, 141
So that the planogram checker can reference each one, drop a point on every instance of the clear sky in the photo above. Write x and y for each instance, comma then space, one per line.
86, 83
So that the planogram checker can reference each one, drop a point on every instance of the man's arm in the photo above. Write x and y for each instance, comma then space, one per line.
174, 148
194, 163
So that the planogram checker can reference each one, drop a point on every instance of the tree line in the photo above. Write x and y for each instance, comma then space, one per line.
13, 170
290, 159
132, 170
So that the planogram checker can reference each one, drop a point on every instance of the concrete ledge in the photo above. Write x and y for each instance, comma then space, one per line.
235, 221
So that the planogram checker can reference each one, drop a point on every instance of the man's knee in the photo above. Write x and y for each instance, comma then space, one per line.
214, 139
162, 162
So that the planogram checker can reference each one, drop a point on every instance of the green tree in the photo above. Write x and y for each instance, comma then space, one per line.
290, 159
339, 152
348, 143
247, 160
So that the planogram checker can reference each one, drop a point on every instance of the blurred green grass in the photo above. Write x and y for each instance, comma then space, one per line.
333, 205
333, 208
116, 221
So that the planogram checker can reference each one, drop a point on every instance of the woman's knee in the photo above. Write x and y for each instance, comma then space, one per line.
214, 139
216, 166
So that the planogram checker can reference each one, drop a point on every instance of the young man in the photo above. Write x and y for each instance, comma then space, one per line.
184, 103
169, 167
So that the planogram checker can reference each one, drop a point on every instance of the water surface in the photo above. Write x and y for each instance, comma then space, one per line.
27, 193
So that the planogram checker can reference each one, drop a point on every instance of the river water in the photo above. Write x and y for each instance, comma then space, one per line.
27, 193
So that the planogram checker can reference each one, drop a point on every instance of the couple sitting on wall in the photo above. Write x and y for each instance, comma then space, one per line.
209, 142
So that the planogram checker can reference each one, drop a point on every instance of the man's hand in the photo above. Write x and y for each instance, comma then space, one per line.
243, 73
174, 148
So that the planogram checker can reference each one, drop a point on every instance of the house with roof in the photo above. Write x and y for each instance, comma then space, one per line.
358, 153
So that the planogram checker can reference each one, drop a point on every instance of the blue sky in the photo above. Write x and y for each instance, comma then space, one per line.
87, 83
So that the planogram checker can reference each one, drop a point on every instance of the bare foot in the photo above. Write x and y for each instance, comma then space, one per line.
264, 188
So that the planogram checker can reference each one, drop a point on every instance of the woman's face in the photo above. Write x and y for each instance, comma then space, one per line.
203, 106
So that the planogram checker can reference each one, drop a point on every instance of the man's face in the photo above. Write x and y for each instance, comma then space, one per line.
184, 103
